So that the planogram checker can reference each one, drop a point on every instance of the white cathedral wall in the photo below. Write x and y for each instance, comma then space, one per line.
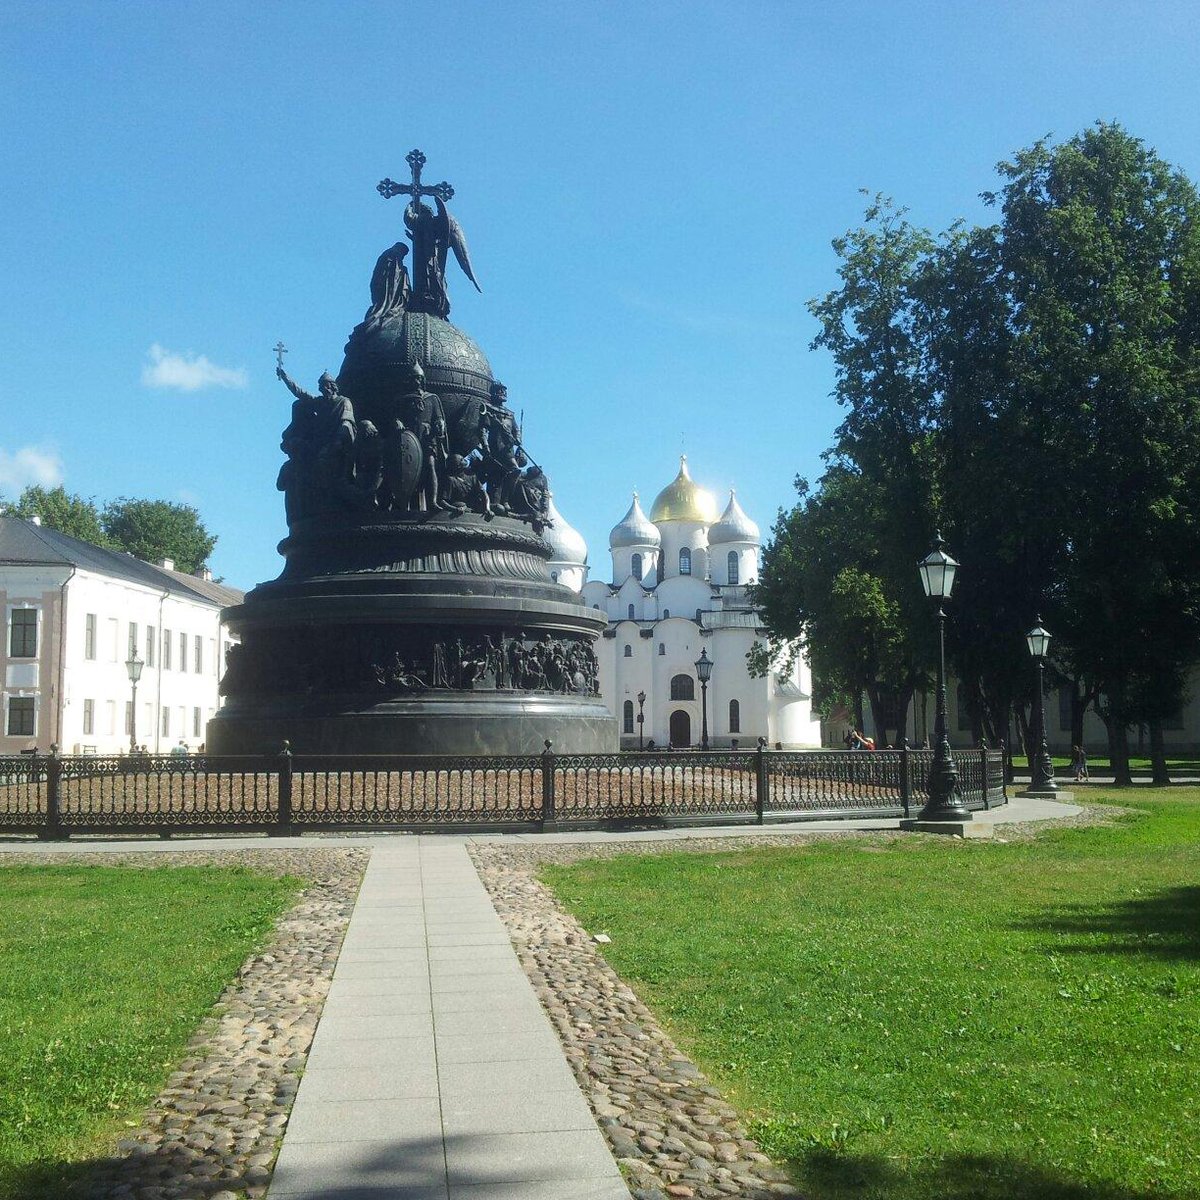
747, 560
623, 564
681, 596
570, 575
675, 536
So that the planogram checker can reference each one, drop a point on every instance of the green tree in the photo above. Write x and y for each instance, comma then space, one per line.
56, 508
843, 562
821, 589
1100, 254
157, 529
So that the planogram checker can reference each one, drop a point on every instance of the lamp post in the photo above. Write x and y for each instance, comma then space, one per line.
704, 668
1041, 768
937, 570
134, 666
641, 699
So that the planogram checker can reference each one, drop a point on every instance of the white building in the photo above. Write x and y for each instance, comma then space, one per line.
74, 613
678, 587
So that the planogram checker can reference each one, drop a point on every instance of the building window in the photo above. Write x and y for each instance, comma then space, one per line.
20, 716
89, 637
166, 721
553, 576
150, 631
183, 651
666, 613
628, 651
133, 641
195, 722
198, 661
89, 717
632, 615
22, 638
735, 717
128, 717
662, 649
683, 687
166, 650
685, 561
635, 565
627, 717
732, 568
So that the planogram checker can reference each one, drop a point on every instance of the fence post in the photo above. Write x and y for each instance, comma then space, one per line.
983, 769
54, 828
762, 782
905, 778
548, 760
284, 826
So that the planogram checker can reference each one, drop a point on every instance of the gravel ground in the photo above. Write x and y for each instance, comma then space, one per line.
213, 1132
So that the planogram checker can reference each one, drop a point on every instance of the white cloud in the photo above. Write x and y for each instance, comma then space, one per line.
29, 465
188, 372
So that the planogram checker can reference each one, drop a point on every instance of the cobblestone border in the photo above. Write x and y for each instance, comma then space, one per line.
672, 1133
213, 1131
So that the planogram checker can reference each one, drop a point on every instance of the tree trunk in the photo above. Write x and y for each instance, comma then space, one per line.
1159, 774
1023, 730
1118, 750
877, 716
906, 699
858, 712
1078, 708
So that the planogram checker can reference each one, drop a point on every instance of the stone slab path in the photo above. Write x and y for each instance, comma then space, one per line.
434, 1072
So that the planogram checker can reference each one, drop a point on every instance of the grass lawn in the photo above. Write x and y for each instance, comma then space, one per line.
924, 1018
105, 972
1101, 764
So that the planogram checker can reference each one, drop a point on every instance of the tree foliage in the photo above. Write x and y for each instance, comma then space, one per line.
1033, 387
56, 508
157, 529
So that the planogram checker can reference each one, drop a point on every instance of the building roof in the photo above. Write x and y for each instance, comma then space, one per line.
684, 500
23, 542
565, 541
734, 526
633, 529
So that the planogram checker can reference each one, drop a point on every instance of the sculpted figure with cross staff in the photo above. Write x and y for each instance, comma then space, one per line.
433, 232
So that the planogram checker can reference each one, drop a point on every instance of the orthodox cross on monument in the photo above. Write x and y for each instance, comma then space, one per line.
388, 188
280, 350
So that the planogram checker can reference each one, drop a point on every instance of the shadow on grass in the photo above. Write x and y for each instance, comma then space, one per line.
825, 1175
1165, 925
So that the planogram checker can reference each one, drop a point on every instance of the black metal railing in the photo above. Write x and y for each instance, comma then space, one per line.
55, 796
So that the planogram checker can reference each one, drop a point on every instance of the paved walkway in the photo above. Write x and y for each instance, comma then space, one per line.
434, 1073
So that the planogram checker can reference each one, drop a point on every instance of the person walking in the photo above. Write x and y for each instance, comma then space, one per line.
1079, 763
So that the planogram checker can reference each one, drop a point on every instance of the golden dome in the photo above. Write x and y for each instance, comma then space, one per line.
684, 500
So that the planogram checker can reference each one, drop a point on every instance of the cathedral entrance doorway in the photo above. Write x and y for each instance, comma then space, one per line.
681, 729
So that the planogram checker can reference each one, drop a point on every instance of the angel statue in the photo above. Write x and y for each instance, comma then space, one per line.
433, 233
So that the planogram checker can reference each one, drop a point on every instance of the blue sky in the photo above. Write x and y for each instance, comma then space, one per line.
649, 192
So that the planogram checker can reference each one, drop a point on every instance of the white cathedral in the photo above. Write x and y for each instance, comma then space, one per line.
678, 593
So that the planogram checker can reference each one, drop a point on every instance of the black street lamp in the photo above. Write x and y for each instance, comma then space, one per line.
134, 666
641, 698
704, 668
1041, 768
937, 571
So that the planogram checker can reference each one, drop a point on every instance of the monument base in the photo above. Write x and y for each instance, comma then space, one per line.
486, 724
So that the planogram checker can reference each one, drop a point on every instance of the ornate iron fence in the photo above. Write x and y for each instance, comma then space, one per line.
55, 796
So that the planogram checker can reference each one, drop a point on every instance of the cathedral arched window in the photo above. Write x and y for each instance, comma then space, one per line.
732, 560
735, 717
683, 687
631, 613
666, 613
628, 651
627, 717
635, 565
554, 576
685, 561
662, 649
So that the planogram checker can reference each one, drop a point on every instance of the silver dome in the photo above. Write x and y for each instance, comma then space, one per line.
733, 525
566, 542
634, 529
